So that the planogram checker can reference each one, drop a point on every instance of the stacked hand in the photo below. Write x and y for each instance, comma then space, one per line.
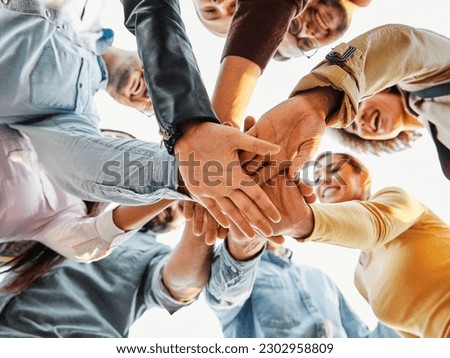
209, 164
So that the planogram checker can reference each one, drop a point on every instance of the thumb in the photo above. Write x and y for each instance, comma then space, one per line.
255, 145
249, 122
279, 239
304, 154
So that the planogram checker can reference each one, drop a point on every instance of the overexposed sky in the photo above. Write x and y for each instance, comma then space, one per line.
417, 170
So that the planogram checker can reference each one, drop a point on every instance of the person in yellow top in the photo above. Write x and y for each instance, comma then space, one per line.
404, 267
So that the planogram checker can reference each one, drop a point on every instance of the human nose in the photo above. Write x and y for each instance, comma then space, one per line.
308, 30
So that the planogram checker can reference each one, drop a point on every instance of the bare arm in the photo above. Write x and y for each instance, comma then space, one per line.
188, 269
234, 88
129, 218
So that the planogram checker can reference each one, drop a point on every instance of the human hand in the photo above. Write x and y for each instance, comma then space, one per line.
208, 161
297, 125
292, 199
203, 224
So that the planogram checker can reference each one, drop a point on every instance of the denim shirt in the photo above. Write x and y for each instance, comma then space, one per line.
104, 298
48, 81
290, 300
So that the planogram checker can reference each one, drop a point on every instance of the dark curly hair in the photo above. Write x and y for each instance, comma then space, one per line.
361, 145
358, 144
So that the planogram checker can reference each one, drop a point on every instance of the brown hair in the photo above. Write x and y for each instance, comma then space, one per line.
31, 260
357, 166
358, 144
361, 145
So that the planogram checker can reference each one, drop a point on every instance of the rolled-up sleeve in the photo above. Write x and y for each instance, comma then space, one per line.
231, 283
158, 293
376, 60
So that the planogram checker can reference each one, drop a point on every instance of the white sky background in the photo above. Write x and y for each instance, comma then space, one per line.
417, 170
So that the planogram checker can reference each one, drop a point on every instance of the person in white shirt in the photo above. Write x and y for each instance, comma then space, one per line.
34, 207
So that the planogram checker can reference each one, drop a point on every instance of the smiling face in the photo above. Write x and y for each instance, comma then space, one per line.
320, 23
341, 178
380, 117
216, 15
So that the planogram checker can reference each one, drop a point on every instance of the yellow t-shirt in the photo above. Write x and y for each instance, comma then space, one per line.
404, 270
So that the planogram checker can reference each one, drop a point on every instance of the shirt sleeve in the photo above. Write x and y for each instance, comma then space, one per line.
379, 220
376, 60
157, 292
230, 284
258, 27
82, 238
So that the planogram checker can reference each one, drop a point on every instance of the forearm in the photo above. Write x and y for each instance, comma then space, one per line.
129, 218
188, 267
257, 29
234, 88
245, 250
325, 101
372, 66
170, 67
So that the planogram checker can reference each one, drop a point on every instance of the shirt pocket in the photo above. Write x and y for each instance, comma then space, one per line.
276, 303
59, 79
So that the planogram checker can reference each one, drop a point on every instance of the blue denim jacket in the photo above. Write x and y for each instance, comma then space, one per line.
48, 81
289, 300
103, 298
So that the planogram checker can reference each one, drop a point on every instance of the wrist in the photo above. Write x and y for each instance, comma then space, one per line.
323, 100
245, 251
305, 227
188, 129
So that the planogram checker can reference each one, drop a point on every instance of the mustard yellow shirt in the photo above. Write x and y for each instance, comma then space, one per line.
404, 270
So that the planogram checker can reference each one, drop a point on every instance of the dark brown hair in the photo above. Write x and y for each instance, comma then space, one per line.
31, 260
361, 145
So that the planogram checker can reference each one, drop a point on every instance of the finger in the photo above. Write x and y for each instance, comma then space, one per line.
266, 173
235, 215
216, 213
305, 190
255, 194
255, 145
235, 234
227, 123
222, 233
251, 166
279, 239
305, 153
211, 229
250, 209
199, 219
188, 210
249, 122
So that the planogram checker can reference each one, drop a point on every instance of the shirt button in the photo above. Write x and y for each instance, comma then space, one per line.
233, 269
